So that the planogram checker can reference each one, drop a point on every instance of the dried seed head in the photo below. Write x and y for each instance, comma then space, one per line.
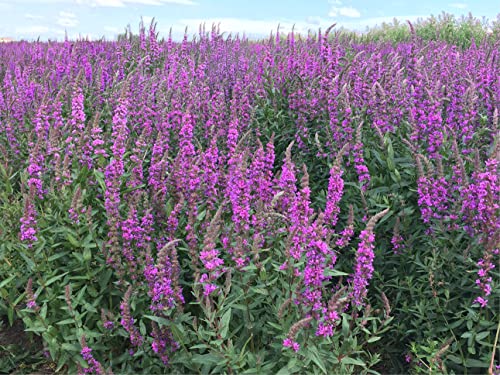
412, 30
368, 310
327, 31
458, 158
163, 252
441, 351
318, 143
396, 227
373, 221
288, 152
477, 160
336, 301
242, 139
298, 326
350, 219
340, 154
440, 169
387, 306
420, 168
412, 148
379, 135
359, 132
283, 307
227, 282
67, 295
83, 341
103, 315
305, 179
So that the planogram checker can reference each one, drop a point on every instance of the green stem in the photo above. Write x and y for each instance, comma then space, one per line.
490, 370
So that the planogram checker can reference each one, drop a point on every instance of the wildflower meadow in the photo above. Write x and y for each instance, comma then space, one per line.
324, 203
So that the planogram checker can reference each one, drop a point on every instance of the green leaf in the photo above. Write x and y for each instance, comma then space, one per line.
313, 351
224, 323
43, 311
70, 347
470, 362
142, 328
66, 321
72, 240
455, 359
6, 281
261, 291
335, 273
93, 334
284, 371
57, 256
201, 215
482, 335
161, 321
250, 267
36, 329
345, 325
55, 278
87, 254
89, 307
373, 339
352, 361
292, 364
79, 297
274, 325
104, 278
206, 359
62, 362
10, 315
29, 262
199, 346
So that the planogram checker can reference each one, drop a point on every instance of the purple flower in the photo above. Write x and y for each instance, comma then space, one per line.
94, 367
208, 289
127, 321
28, 221
289, 343
334, 195
397, 243
364, 266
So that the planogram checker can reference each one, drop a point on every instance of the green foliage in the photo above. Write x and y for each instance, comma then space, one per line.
419, 299
461, 32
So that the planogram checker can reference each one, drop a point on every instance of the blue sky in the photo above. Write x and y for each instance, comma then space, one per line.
50, 19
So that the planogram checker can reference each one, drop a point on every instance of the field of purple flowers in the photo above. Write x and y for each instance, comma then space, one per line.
303, 204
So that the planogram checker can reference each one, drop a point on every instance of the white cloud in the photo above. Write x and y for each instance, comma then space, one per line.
313, 20
67, 14
339, 9
33, 16
147, 20
32, 30
123, 3
344, 12
459, 5
112, 29
5, 6
67, 19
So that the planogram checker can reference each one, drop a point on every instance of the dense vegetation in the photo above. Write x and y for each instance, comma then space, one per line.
316, 204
